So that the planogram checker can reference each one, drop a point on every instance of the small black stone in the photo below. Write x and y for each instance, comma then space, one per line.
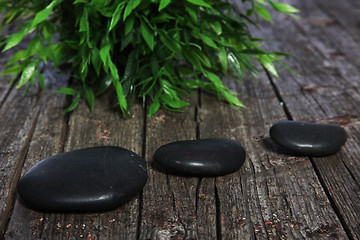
308, 139
205, 157
85, 180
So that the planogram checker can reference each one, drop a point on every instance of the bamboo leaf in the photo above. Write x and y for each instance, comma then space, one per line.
222, 54
154, 107
41, 81
147, 34
105, 55
67, 91
74, 104
208, 41
116, 16
283, 7
129, 24
44, 14
267, 62
172, 44
90, 98
200, 3
16, 38
27, 73
264, 13
232, 99
132, 4
163, 4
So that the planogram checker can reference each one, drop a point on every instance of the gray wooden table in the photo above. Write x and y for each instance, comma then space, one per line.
273, 196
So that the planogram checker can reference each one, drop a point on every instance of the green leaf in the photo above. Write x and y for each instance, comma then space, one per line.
116, 16
174, 103
90, 98
283, 7
215, 79
14, 69
44, 14
18, 56
163, 4
208, 41
234, 62
54, 53
170, 43
16, 38
74, 104
232, 99
261, 2
105, 55
84, 21
113, 69
96, 60
132, 4
67, 91
147, 34
118, 87
80, 1
27, 74
267, 62
223, 55
263, 12
120, 97
129, 24
48, 31
200, 3
41, 81
191, 10
154, 107
216, 26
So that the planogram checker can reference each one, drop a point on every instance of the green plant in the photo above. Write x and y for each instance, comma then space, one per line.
155, 49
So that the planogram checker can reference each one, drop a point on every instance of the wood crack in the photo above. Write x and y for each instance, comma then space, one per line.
279, 97
20, 160
218, 213
332, 201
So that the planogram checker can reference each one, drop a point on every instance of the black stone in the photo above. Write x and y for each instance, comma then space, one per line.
85, 180
206, 157
308, 139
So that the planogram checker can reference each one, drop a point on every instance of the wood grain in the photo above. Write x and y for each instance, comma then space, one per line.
19, 116
104, 126
47, 140
273, 195
170, 203
328, 91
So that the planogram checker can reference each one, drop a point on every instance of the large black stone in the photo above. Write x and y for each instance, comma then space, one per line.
308, 139
85, 180
206, 157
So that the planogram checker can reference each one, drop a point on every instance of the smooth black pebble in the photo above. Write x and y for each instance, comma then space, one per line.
308, 139
85, 180
205, 157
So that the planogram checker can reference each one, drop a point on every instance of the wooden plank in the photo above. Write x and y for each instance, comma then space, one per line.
327, 86
85, 129
170, 203
47, 140
104, 126
341, 12
273, 195
18, 119
328, 91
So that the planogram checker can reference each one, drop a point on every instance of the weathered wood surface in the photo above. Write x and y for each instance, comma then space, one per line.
273, 196
328, 91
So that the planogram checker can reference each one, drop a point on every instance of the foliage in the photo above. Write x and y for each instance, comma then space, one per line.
156, 49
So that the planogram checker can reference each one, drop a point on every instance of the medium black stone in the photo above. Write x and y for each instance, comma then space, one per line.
85, 180
309, 139
206, 157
